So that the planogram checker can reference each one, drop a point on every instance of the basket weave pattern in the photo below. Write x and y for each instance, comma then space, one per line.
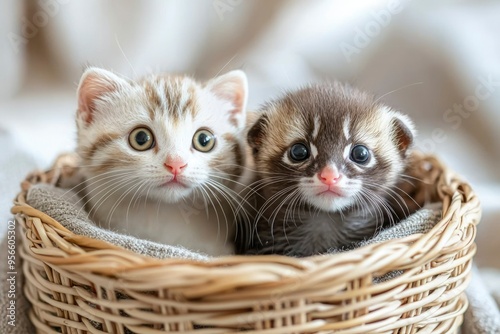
80, 285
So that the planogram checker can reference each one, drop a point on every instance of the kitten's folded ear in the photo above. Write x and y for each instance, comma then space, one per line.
233, 88
404, 132
255, 135
94, 85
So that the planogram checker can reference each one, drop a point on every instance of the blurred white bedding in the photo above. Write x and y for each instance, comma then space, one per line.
448, 54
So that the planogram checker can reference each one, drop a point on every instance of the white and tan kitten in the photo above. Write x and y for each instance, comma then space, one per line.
327, 158
162, 156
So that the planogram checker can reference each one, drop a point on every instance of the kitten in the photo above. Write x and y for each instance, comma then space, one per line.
162, 156
327, 159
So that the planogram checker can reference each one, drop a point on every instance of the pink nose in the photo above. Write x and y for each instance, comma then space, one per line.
175, 166
329, 176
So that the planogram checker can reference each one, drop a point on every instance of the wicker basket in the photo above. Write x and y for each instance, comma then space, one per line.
80, 285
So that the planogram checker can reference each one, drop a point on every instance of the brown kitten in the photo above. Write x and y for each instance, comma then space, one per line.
327, 159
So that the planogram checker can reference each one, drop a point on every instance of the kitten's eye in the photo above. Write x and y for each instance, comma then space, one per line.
299, 152
360, 154
141, 139
203, 140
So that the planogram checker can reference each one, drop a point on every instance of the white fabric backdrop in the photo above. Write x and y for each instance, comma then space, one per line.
445, 50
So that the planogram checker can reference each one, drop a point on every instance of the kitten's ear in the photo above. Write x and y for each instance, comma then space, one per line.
404, 132
94, 84
255, 135
233, 88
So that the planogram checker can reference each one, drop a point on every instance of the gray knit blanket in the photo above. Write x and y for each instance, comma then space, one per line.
63, 207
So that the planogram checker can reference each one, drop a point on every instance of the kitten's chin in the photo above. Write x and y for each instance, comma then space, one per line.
173, 194
336, 204
329, 198
329, 201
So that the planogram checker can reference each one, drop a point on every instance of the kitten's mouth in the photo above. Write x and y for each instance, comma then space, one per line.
175, 183
330, 192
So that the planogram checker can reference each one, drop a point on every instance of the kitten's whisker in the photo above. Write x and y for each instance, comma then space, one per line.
415, 178
105, 186
374, 194
124, 56
133, 196
388, 189
294, 195
119, 200
274, 213
227, 63
225, 192
110, 190
254, 187
396, 90
270, 202
256, 171
95, 179
383, 205
260, 215
230, 201
205, 188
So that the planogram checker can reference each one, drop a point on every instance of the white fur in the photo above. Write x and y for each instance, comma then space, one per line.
317, 123
347, 151
314, 150
372, 162
286, 158
345, 128
142, 207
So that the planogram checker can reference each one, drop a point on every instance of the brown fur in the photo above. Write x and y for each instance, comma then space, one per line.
295, 118
99, 143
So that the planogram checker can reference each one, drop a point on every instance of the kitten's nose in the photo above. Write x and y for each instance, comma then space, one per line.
329, 175
175, 166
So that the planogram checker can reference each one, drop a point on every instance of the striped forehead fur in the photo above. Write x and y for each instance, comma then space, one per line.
315, 109
176, 95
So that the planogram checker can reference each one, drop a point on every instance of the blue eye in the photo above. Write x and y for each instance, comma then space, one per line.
299, 152
360, 154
